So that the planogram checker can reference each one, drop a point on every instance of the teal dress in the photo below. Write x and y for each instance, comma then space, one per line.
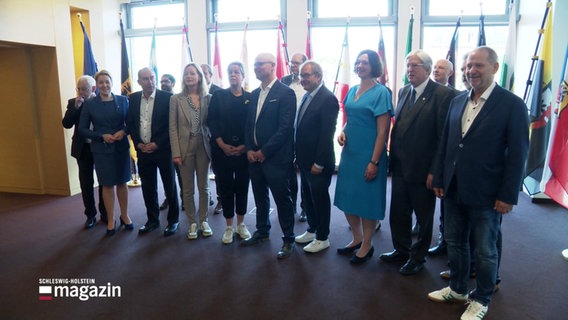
353, 194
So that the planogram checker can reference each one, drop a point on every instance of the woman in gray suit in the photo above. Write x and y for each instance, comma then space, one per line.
189, 137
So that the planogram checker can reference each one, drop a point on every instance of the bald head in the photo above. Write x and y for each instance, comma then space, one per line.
265, 67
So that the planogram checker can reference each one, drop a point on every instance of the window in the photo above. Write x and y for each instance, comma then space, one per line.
353, 8
240, 11
164, 15
439, 20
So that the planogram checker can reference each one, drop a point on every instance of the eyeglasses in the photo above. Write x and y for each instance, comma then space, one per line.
414, 65
295, 63
261, 63
306, 75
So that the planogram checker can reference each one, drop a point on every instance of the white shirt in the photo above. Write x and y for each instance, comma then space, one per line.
473, 108
298, 90
261, 98
146, 111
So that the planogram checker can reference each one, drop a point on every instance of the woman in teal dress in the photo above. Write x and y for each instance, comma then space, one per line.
362, 177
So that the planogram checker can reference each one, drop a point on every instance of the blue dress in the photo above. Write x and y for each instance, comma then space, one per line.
354, 195
112, 160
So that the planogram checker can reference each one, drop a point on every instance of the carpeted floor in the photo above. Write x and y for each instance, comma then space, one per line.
41, 238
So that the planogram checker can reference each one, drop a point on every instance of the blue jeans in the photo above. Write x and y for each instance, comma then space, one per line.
459, 221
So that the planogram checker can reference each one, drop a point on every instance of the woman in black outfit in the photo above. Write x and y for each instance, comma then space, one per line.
227, 118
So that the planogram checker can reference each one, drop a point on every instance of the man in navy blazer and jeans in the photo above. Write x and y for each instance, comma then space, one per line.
269, 140
478, 172
315, 127
148, 119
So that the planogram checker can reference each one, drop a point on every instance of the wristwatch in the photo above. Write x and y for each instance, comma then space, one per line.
374, 162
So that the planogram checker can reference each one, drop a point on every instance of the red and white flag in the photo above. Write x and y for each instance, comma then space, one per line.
244, 58
343, 78
217, 77
281, 63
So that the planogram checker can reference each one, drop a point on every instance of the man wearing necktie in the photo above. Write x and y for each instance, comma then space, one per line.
419, 121
315, 157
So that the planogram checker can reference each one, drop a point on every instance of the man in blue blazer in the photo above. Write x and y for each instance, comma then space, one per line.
269, 140
419, 121
315, 127
148, 122
479, 170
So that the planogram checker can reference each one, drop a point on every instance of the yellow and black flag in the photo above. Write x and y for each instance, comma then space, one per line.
125, 80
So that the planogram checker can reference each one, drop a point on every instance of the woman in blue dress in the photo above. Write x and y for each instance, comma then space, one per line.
362, 177
103, 122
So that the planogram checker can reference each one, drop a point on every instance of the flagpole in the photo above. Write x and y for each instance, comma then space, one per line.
535, 55
341, 54
284, 43
309, 35
185, 31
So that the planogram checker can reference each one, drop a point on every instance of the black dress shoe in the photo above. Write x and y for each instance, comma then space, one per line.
255, 239
286, 250
171, 229
127, 226
438, 250
348, 251
164, 205
358, 260
394, 256
411, 267
148, 227
91, 221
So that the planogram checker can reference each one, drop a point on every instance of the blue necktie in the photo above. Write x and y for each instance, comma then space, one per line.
302, 108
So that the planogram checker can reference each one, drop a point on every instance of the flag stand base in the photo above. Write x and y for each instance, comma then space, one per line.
135, 182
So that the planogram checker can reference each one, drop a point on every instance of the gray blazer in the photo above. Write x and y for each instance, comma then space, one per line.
180, 124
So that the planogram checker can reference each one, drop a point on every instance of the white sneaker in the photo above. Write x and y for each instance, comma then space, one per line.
447, 295
306, 237
192, 232
474, 311
316, 246
206, 229
243, 231
228, 235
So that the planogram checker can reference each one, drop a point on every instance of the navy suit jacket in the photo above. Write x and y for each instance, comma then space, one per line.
71, 118
417, 131
104, 121
488, 162
160, 120
275, 124
314, 132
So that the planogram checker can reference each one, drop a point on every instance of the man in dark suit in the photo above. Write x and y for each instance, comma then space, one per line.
81, 150
269, 140
419, 120
478, 173
208, 73
293, 81
148, 122
315, 127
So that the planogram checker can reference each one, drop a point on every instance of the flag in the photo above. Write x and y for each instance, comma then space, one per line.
556, 186
481, 35
343, 76
186, 56
217, 77
125, 80
281, 63
308, 39
408, 42
508, 67
89, 63
383, 79
244, 57
539, 103
452, 51
153, 60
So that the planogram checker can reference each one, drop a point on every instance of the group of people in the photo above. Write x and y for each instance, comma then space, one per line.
466, 148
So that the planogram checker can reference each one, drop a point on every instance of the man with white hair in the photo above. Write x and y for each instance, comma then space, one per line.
443, 70
81, 150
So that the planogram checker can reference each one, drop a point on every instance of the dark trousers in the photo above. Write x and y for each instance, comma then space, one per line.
317, 203
232, 182
276, 177
86, 181
148, 166
406, 198
294, 190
